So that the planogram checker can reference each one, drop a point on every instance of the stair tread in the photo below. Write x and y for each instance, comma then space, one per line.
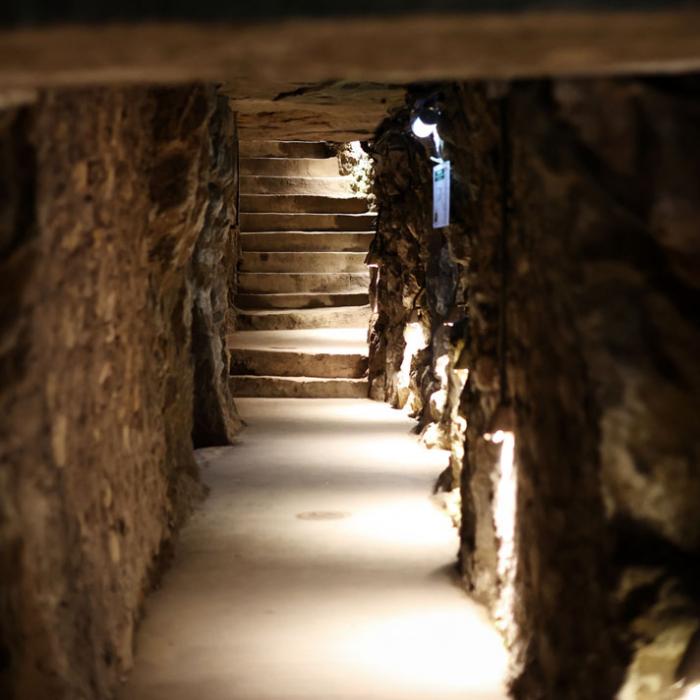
308, 233
297, 319
259, 148
290, 167
314, 179
306, 197
303, 282
364, 275
298, 387
301, 294
295, 301
303, 252
289, 363
282, 221
303, 312
306, 352
317, 341
320, 241
318, 215
302, 261
302, 379
302, 204
340, 185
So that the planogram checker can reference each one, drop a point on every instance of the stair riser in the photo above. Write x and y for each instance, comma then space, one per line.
278, 387
300, 301
297, 364
289, 283
307, 222
290, 320
283, 149
351, 242
302, 204
303, 262
292, 167
329, 186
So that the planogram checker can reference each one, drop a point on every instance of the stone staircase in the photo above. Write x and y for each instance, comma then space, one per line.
302, 293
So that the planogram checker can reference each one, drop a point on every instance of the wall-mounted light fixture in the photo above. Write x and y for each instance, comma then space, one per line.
424, 122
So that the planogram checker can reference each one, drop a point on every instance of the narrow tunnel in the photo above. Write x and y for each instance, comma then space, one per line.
349, 354
329, 569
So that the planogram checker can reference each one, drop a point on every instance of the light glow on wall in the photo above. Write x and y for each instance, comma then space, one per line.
356, 150
453, 506
356, 164
438, 399
458, 423
416, 339
441, 368
693, 693
505, 512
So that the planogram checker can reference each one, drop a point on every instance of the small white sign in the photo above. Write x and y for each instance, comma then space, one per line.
441, 194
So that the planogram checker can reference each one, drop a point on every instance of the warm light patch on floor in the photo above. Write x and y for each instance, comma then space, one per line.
318, 569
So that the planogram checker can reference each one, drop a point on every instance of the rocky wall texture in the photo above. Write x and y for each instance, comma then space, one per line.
108, 195
575, 245
216, 421
398, 256
604, 326
355, 162
418, 299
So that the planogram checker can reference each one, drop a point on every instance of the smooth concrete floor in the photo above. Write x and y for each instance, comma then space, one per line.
317, 569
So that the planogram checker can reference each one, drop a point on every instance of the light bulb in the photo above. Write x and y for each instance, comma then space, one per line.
421, 129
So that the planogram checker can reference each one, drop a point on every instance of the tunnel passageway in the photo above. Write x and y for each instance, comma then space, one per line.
318, 568
252, 270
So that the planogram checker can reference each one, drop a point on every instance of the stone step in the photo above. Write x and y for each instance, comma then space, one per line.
302, 204
284, 149
300, 300
256, 184
342, 317
290, 167
299, 387
302, 262
307, 241
343, 341
291, 282
288, 363
306, 222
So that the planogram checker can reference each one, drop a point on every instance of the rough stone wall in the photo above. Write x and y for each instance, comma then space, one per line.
418, 296
472, 135
604, 327
574, 232
534, 615
398, 254
216, 421
109, 193
354, 161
